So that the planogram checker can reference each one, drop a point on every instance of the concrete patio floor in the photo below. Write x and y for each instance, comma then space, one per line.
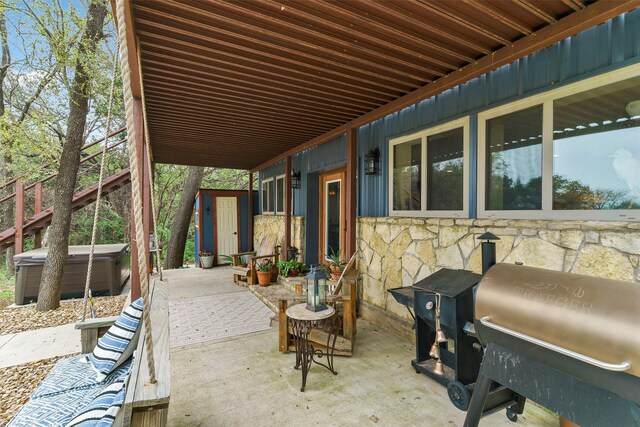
244, 380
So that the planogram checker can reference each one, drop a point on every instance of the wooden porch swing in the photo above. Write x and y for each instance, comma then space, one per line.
146, 391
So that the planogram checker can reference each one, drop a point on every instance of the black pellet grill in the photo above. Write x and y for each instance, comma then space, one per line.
461, 355
569, 342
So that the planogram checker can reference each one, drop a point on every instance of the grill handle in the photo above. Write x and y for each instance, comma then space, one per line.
620, 367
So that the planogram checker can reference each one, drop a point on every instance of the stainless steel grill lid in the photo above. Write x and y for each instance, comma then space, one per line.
588, 318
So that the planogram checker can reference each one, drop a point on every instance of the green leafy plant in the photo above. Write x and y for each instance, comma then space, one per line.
265, 266
283, 268
335, 258
291, 267
242, 259
227, 259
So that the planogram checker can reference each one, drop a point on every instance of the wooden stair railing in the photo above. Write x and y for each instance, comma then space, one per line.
41, 218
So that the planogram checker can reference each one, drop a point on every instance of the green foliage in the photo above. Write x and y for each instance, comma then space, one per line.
335, 258
43, 39
264, 265
287, 268
571, 194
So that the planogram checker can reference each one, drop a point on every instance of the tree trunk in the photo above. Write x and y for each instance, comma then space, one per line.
51, 284
180, 224
11, 266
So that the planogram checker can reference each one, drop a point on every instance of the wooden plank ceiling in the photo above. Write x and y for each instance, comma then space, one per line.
236, 83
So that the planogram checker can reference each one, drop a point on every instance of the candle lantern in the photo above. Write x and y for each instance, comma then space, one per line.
316, 289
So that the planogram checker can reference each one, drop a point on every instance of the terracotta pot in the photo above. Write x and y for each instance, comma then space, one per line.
336, 271
264, 278
293, 273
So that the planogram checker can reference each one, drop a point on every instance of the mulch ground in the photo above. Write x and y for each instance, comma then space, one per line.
18, 382
20, 319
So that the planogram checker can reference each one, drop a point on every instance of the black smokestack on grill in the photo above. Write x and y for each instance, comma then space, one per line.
488, 250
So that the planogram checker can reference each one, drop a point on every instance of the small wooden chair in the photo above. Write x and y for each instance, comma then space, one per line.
345, 293
267, 249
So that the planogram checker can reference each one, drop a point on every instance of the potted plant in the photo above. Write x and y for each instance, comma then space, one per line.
264, 272
291, 268
336, 266
297, 268
206, 259
283, 268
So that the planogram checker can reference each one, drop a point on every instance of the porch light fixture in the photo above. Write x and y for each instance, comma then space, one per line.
371, 162
295, 179
316, 289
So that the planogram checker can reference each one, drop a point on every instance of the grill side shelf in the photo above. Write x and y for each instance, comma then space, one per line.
404, 296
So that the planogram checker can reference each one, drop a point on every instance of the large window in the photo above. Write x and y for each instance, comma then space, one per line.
273, 195
571, 153
429, 172
514, 160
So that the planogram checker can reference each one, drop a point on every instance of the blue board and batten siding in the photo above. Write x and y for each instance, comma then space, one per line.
606, 47
204, 205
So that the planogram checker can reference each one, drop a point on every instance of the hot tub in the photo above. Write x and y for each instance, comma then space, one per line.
110, 271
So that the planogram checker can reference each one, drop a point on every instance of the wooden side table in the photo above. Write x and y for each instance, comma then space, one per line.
302, 322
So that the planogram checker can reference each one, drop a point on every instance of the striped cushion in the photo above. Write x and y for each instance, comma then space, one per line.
71, 374
102, 410
54, 410
108, 353
54, 406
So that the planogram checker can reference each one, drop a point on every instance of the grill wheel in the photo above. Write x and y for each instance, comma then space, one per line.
459, 395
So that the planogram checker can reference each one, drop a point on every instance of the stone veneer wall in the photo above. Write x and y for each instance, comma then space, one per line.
265, 224
400, 251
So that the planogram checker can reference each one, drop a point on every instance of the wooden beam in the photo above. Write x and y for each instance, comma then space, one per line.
19, 219
351, 189
132, 47
135, 246
287, 207
592, 15
250, 205
36, 210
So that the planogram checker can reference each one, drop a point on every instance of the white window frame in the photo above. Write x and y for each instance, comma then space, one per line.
265, 193
275, 199
546, 100
423, 135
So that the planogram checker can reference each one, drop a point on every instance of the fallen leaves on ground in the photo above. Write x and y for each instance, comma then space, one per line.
20, 319
18, 382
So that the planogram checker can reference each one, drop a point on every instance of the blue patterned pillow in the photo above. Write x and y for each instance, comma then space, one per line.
53, 410
73, 374
110, 348
102, 410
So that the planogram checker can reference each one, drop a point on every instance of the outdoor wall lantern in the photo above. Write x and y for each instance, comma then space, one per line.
316, 289
371, 162
295, 179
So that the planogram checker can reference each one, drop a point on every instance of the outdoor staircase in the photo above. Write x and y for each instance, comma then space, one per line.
81, 199
33, 225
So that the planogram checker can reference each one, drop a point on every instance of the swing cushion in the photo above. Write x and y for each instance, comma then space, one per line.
103, 409
113, 347
56, 400
73, 374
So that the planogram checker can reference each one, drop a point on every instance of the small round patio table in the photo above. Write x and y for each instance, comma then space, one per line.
302, 322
